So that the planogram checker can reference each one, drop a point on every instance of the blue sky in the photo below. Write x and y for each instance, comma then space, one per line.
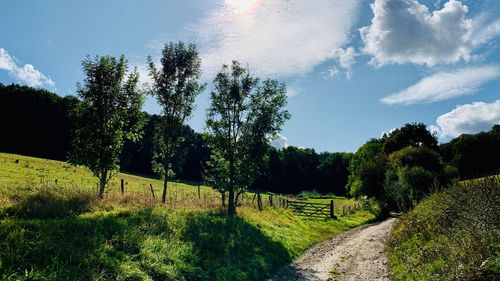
354, 69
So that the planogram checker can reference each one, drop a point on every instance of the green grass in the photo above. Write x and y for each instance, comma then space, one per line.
60, 231
451, 235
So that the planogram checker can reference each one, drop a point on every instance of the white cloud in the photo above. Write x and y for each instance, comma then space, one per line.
279, 142
467, 119
26, 73
331, 72
405, 31
281, 37
346, 58
444, 85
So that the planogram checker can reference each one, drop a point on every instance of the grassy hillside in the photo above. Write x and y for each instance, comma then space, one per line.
452, 235
58, 231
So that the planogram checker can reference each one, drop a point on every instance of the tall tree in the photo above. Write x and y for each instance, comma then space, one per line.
411, 134
110, 113
175, 86
243, 115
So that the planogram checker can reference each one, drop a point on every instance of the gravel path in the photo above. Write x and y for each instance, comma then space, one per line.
357, 254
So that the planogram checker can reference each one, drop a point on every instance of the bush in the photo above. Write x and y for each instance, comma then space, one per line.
407, 185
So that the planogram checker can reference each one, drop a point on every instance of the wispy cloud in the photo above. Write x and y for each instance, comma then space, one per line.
444, 85
345, 59
281, 37
405, 31
467, 119
26, 73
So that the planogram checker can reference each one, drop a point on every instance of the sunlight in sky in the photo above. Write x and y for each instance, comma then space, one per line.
242, 7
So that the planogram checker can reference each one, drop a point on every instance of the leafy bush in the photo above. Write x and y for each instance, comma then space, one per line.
407, 185
451, 235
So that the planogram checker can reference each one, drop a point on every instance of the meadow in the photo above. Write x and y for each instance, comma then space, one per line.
52, 227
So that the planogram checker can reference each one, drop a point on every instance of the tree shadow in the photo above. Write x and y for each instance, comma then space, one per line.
146, 244
47, 205
233, 249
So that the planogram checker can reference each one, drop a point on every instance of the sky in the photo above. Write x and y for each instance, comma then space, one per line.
353, 69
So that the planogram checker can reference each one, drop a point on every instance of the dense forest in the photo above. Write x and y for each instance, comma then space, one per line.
36, 122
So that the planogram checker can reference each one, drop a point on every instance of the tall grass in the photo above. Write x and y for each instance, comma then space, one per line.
451, 235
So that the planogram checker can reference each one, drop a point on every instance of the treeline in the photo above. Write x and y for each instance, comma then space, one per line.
36, 122
402, 167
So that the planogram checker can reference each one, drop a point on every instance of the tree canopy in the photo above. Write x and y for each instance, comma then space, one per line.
175, 87
242, 117
109, 113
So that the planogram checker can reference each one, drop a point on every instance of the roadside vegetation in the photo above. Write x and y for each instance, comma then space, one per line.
451, 235
62, 231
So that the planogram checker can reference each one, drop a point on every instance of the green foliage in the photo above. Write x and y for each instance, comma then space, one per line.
412, 173
406, 185
415, 134
109, 113
175, 86
451, 235
242, 116
474, 155
35, 122
411, 156
367, 169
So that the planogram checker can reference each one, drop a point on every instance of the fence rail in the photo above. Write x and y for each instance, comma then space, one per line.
313, 210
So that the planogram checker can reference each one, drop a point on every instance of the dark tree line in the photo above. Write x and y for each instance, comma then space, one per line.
293, 170
474, 155
36, 122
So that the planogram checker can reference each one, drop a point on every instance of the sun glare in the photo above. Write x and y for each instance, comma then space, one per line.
241, 7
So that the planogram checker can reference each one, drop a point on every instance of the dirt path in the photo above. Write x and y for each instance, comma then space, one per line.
357, 254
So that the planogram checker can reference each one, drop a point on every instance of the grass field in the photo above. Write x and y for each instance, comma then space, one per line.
451, 235
58, 230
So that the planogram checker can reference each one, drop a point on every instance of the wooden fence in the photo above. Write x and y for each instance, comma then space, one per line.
313, 210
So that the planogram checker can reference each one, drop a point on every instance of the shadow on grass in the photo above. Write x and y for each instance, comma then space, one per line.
232, 249
148, 244
46, 205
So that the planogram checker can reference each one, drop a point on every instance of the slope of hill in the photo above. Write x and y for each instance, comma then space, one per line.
451, 235
53, 228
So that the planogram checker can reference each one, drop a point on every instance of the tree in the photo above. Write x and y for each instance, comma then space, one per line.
175, 87
367, 169
412, 173
415, 134
109, 113
475, 155
242, 117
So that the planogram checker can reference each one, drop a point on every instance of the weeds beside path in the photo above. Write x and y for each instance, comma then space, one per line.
357, 254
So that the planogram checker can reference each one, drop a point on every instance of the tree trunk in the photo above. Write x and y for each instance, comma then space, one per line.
231, 207
102, 185
223, 198
164, 194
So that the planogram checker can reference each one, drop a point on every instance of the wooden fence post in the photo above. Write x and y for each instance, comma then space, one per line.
199, 195
122, 188
331, 210
152, 191
270, 200
343, 210
259, 201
